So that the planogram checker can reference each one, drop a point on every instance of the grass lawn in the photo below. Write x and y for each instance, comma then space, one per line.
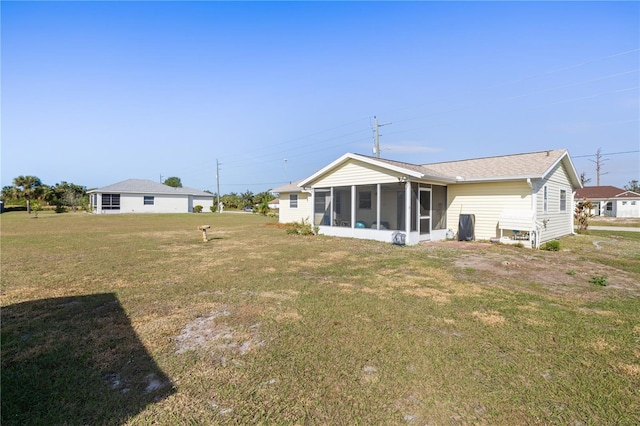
133, 319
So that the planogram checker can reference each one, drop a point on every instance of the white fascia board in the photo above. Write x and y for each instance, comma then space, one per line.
351, 156
437, 180
498, 179
624, 194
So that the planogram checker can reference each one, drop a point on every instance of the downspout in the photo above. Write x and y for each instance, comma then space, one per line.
313, 207
573, 209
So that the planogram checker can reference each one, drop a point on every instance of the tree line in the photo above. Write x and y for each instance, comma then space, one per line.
30, 191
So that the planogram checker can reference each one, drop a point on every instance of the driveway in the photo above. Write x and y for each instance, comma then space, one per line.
613, 228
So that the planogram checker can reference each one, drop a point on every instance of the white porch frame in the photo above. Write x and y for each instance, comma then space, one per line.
378, 234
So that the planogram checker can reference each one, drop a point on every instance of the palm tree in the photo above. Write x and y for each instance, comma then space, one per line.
29, 188
8, 193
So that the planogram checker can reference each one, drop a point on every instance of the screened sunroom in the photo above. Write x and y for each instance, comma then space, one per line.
377, 211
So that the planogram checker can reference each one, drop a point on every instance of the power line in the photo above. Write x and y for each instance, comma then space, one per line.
305, 146
609, 153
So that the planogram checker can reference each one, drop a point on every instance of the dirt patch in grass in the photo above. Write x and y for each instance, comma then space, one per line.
564, 273
215, 334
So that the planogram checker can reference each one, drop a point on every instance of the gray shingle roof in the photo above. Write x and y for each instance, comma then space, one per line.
533, 164
144, 186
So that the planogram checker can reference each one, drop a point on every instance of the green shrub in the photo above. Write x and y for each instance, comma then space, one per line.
551, 246
197, 209
600, 280
301, 228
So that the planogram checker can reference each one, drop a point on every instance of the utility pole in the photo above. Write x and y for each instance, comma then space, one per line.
377, 132
599, 162
218, 182
160, 178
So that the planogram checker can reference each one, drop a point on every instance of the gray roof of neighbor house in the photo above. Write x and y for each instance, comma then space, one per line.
604, 193
144, 186
533, 165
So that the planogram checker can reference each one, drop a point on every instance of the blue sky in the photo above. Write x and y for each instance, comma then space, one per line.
98, 92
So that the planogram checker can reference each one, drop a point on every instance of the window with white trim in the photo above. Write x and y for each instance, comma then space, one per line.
563, 200
148, 200
293, 201
545, 200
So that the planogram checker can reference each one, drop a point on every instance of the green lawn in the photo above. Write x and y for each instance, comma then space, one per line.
133, 319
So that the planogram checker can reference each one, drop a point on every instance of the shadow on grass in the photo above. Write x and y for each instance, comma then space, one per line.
75, 360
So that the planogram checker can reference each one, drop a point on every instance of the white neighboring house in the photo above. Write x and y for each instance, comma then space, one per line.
274, 204
522, 198
610, 201
147, 196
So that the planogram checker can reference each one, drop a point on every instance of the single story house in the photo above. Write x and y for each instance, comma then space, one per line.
147, 196
274, 204
523, 198
610, 201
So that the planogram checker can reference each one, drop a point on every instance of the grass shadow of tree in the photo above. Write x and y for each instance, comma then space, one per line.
75, 360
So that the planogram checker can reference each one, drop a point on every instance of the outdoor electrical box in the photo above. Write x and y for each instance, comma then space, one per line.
466, 227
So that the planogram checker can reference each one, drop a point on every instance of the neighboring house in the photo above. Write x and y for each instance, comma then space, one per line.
146, 196
610, 201
525, 198
274, 204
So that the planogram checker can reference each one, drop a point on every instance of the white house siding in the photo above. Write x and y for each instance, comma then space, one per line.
302, 212
555, 223
355, 173
486, 201
628, 208
205, 202
134, 203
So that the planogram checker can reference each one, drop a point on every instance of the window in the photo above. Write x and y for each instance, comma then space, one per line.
624, 203
364, 200
633, 203
110, 201
148, 200
563, 200
293, 201
545, 201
